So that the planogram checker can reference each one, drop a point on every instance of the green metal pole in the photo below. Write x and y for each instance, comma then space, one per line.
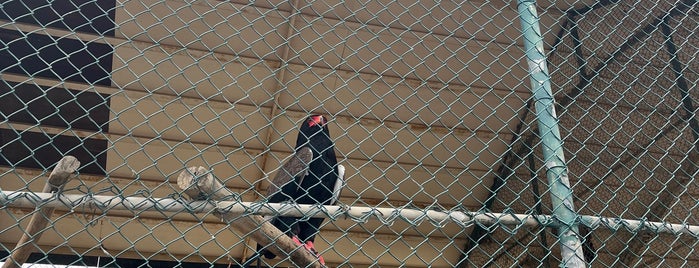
551, 142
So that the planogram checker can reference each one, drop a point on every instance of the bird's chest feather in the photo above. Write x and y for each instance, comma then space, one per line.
322, 167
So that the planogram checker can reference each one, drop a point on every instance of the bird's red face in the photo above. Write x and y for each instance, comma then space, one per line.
318, 120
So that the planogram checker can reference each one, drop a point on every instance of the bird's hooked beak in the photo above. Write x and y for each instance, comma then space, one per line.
316, 120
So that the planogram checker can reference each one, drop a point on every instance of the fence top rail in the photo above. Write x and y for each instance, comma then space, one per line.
74, 202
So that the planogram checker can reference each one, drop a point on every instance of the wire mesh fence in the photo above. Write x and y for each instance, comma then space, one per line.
149, 133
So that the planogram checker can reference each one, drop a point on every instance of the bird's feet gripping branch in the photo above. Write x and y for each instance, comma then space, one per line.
311, 248
308, 245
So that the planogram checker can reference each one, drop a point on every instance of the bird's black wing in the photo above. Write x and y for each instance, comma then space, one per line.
297, 166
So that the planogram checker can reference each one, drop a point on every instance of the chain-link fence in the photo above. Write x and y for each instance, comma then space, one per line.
429, 105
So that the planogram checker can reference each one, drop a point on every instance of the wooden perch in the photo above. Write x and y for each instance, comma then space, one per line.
198, 183
58, 178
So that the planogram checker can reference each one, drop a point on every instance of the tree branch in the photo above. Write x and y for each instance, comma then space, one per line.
60, 175
198, 184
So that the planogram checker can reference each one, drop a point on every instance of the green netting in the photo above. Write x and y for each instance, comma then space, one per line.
429, 105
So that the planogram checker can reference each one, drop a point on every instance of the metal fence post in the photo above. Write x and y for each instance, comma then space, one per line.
551, 142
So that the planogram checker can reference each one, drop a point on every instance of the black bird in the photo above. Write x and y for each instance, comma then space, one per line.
311, 176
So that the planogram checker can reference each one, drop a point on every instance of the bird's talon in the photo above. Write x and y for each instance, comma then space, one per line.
311, 248
297, 241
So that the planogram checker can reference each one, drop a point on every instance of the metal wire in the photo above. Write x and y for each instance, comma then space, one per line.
429, 105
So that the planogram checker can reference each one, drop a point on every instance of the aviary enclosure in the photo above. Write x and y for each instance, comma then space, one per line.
474, 133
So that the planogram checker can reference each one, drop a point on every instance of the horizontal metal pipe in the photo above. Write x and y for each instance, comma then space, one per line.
75, 202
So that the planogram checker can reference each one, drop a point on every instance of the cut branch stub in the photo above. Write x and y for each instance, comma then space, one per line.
198, 184
60, 175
